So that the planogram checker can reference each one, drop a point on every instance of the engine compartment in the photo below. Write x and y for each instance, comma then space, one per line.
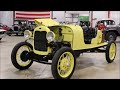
63, 34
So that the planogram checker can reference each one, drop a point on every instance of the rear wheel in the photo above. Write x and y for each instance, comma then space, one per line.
0, 38
20, 55
63, 63
111, 36
110, 51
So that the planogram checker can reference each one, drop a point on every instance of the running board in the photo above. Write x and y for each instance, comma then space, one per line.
43, 62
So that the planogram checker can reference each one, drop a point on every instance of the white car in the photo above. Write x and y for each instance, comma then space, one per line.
2, 33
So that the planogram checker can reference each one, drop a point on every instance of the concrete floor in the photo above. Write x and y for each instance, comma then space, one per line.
89, 65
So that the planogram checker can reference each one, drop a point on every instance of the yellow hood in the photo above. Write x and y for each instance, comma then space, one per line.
46, 22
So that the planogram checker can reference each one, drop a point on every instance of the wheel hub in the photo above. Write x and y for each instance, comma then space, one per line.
64, 64
111, 37
24, 56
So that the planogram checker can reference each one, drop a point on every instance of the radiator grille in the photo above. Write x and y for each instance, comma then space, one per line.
40, 41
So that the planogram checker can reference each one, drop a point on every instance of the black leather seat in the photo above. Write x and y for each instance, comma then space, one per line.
89, 33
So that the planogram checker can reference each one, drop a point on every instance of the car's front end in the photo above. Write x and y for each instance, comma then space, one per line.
2, 33
43, 42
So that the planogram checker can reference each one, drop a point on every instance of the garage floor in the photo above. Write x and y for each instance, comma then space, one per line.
89, 65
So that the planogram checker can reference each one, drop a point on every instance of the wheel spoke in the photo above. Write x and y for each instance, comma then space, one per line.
64, 64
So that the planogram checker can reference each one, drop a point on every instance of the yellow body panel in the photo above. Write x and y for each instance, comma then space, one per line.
98, 38
46, 22
70, 33
78, 38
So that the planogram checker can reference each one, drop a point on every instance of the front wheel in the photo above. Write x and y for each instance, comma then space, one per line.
20, 55
63, 63
110, 51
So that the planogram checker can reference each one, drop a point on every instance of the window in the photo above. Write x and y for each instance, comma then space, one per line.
109, 22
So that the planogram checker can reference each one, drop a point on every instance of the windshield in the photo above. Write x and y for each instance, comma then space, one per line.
108, 22
16, 22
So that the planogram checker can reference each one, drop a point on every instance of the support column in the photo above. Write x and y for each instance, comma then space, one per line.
91, 18
108, 14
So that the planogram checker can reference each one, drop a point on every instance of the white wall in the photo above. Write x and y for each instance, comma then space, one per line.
59, 15
115, 15
6, 17
99, 15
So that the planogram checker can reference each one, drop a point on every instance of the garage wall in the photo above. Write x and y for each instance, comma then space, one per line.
59, 15
115, 15
99, 15
6, 17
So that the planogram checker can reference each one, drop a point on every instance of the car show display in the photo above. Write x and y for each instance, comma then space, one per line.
110, 29
20, 26
59, 45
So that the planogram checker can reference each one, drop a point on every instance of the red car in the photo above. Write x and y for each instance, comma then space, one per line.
100, 25
4, 27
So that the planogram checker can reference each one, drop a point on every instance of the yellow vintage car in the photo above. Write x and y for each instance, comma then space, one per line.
59, 45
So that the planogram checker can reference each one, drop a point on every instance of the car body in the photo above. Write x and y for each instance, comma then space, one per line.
2, 33
84, 23
31, 25
111, 30
4, 27
61, 44
18, 27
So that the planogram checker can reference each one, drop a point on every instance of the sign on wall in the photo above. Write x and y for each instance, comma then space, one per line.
84, 18
31, 15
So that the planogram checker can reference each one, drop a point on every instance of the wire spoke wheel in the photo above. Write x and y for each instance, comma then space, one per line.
65, 64
111, 51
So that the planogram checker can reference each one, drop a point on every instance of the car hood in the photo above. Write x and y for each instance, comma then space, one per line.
46, 22
1, 30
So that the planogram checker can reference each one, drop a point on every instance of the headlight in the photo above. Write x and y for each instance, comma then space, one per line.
50, 36
27, 34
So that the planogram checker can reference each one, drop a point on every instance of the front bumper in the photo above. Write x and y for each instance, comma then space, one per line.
2, 34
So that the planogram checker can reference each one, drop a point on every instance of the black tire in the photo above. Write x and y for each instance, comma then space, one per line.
22, 34
107, 54
77, 53
16, 34
56, 59
13, 55
9, 34
0, 38
111, 36
10, 31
